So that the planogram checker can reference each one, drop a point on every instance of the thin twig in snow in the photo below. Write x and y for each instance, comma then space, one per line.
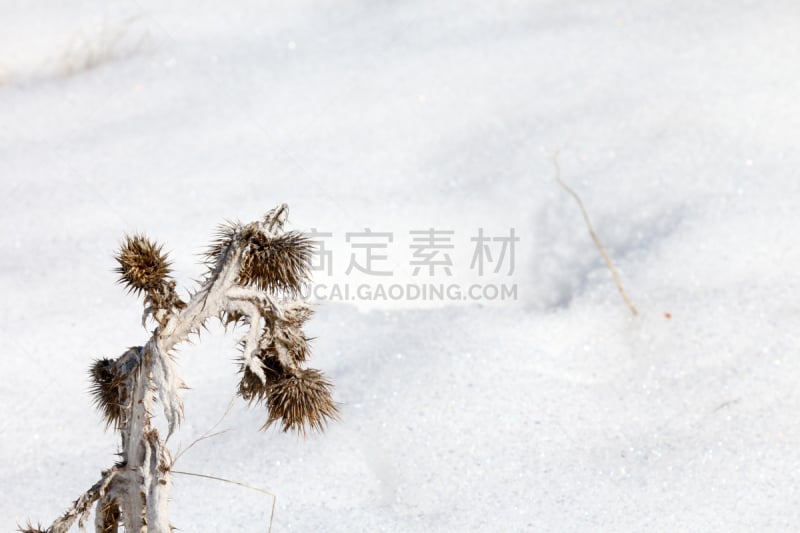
592, 233
245, 485
208, 434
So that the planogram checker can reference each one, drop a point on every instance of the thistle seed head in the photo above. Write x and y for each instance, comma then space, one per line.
143, 267
270, 261
108, 390
251, 388
301, 401
279, 263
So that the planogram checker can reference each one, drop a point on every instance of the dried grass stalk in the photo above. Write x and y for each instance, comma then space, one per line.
595, 238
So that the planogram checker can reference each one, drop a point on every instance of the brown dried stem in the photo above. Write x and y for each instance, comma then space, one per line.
595, 238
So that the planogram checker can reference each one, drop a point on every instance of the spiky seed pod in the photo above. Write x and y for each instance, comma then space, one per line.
251, 388
275, 263
301, 401
108, 390
142, 265
269, 262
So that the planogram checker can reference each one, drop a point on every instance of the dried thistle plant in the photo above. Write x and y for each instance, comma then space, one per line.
255, 272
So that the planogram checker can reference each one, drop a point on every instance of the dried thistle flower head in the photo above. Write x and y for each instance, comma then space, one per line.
107, 389
142, 265
274, 262
251, 388
301, 401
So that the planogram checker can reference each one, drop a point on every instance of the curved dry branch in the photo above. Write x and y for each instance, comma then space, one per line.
595, 238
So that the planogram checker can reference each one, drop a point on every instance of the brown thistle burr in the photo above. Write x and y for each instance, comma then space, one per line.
142, 265
301, 401
107, 390
269, 262
251, 388
145, 268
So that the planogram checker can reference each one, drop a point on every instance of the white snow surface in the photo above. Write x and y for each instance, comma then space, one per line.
677, 123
